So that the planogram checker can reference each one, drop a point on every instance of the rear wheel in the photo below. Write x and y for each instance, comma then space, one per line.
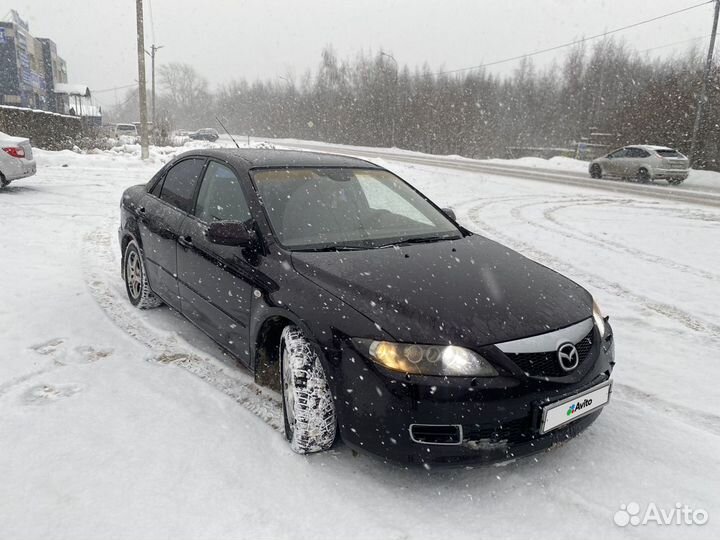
3, 181
308, 406
136, 283
595, 171
643, 175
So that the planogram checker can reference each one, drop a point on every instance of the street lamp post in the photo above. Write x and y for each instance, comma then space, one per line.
395, 96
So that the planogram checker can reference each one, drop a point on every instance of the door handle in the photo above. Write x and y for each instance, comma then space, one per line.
141, 210
185, 241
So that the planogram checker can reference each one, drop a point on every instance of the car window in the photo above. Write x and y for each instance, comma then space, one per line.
636, 153
179, 185
618, 153
382, 197
221, 197
668, 153
311, 208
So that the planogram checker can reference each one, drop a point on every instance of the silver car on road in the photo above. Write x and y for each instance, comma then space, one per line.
643, 162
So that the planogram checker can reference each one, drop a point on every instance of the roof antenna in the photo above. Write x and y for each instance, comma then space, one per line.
226, 131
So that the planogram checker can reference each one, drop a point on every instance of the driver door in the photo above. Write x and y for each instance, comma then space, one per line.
616, 162
215, 280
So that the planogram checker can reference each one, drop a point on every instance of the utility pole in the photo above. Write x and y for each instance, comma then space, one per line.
153, 48
144, 150
702, 98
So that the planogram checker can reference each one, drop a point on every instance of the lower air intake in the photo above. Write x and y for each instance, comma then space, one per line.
436, 433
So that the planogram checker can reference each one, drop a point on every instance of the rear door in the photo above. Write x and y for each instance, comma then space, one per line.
162, 213
636, 158
214, 280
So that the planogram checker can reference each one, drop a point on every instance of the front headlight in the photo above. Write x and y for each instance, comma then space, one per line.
599, 319
437, 360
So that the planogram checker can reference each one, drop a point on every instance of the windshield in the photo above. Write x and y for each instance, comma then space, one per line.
316, 208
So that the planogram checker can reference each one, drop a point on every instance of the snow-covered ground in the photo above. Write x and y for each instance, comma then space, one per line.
127, 424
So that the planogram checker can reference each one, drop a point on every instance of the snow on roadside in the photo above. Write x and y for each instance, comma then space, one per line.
133, 424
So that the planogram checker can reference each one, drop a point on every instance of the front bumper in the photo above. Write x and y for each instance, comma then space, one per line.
499, 417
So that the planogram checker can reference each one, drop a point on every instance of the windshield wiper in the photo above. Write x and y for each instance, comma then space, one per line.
420, 240
339, 247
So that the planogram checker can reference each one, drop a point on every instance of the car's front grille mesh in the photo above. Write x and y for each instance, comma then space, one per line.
545, 364
512, 431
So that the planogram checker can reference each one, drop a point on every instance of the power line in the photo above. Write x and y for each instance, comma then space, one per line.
115, 88
576, 42
675, 43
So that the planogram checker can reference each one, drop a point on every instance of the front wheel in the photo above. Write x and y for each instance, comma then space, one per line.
136, 283
595, 171
676, 181
308, 406
643, 175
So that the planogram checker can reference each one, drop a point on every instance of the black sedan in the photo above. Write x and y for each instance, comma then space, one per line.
381, 320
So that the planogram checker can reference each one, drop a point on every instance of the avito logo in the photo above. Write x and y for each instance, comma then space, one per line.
579, 405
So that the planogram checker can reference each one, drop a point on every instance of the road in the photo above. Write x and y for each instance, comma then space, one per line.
661, 191
132, 424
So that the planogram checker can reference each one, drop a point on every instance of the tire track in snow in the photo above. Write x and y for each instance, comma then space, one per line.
587, 237
101, 270
678, 315
704, 420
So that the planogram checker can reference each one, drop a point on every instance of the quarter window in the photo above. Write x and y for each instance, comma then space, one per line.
221, 197
180, 182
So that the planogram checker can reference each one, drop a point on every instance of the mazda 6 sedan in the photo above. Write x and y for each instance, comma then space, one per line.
380, 319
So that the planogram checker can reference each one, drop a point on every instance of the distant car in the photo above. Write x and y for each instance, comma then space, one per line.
128, 130
645, 163
16, 159
205, 134
378, 317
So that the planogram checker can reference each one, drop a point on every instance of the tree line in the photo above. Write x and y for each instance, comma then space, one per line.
371, 100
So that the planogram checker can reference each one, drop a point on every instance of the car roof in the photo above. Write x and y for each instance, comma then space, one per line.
252, 158
649, 147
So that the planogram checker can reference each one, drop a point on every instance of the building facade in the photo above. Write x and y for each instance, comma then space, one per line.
30, 68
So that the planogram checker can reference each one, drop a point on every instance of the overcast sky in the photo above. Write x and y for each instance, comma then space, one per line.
229, 39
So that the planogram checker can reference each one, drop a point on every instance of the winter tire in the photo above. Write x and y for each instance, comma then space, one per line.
595, 171
308, 406
136, 283
676, 181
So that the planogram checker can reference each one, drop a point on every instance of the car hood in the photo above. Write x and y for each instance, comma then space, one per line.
470, 291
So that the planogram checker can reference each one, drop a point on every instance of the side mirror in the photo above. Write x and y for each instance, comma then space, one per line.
449, 212
228, 233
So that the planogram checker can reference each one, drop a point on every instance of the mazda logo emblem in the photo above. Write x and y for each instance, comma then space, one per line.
568, 356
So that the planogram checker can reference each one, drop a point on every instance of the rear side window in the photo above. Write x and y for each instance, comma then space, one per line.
180, 182
636, 153
668, 153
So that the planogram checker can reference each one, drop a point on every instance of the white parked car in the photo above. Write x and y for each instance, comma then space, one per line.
643, 162
16, 159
